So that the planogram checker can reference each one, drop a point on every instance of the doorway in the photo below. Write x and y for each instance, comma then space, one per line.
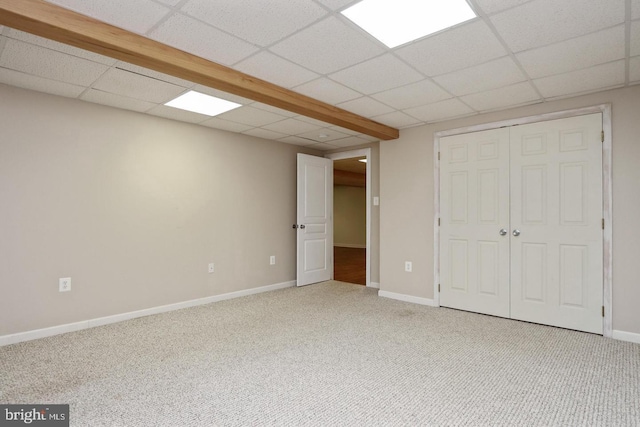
352, 216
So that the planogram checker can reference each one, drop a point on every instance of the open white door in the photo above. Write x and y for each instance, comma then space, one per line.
314, 220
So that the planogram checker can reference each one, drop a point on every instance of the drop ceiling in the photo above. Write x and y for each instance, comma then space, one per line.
517, 52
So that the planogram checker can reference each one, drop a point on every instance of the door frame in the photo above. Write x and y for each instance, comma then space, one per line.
363, 152
607, 193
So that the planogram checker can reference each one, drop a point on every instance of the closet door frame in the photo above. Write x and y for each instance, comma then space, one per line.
607, 192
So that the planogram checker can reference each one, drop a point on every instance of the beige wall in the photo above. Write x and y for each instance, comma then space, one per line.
349, 216
406, 217
132, 208
374, 164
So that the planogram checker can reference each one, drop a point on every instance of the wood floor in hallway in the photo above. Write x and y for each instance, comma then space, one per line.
350, 265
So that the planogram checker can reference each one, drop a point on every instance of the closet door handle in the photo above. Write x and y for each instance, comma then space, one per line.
516, 233
503, 232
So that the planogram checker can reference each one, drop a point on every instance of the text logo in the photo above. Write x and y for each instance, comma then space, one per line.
34, 415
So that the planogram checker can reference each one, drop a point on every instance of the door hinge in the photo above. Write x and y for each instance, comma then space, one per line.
438, 155
603, 223
602, 136
438, 222
438, 287
603, 311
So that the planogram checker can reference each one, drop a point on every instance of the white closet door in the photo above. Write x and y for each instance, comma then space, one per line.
474, 204
556, 208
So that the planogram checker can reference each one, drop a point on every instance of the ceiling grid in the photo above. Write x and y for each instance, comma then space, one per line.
517, 52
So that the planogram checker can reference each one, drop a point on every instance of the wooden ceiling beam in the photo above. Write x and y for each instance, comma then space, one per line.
56, 23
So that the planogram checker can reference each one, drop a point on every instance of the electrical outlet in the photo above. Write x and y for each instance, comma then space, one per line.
376, 201
211, 267
64, 284
272, 260
408, 266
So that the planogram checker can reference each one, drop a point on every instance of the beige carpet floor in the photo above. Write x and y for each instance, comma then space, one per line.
330, 354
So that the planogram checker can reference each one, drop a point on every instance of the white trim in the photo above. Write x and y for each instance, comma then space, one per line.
374, 285
366, 152
626, 336
349, 245
91, 323
605, 110
607, 214
407, 298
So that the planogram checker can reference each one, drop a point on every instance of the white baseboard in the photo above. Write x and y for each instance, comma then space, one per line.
374, 285
349, 245
91, 323
626, 336
407, 298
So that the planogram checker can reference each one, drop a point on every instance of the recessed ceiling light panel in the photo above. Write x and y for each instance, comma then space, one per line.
200, 103
396, 22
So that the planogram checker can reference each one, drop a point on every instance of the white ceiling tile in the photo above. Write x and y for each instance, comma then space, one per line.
36, 60
575, 54
291, 127
227, 125
60, 47
327, 90
420, 93
319, 123
378, 74
323, 147
26, 81
635, 9
366, 107
132, 85
323, 135
591, 79
396, 119
493, 6
634, 69
136, 16
542, 22
170, 2
251, 116
265, 134
328, 46
368, 138
519, 93
272, 68
185, 33
498, 73
296, 140
454, 49
177, 114
442, 110
118, 101
155, 75
273, 109
336, 4
635, 38
344, 130
259, 22
222, 95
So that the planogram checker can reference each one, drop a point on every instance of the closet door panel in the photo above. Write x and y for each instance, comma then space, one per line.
474, 204
556, 230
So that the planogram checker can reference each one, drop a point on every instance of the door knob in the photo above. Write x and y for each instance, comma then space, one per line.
503, 232
516, 233
295, 225
302, 226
